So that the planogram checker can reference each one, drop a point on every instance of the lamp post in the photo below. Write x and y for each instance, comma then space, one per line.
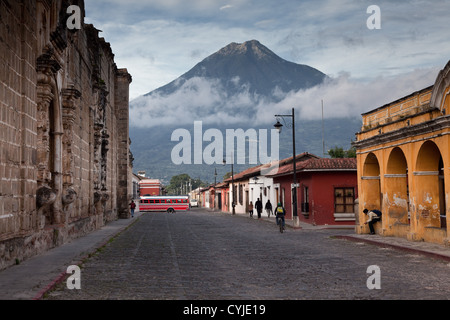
215, 183
279, 127
233, 205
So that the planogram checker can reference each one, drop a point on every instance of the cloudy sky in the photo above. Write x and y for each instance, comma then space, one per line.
159, 40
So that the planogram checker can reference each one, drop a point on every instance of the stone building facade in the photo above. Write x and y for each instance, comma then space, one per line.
64, 158
403, 155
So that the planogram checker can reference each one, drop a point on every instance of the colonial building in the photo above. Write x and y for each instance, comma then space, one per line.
326, 193
65, 165
150, 188
404, 164
257, 182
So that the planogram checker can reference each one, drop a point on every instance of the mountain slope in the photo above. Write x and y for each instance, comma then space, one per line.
251, 65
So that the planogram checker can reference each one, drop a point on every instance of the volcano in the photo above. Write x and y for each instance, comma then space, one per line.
241, 86
250, 66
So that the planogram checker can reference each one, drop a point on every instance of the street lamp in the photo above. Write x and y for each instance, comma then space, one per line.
215, 183
279, 127
233, 205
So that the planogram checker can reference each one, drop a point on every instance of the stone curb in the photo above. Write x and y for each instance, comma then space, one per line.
395, 246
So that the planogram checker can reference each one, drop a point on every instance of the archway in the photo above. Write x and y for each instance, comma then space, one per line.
370, 192
430, 190
397, 188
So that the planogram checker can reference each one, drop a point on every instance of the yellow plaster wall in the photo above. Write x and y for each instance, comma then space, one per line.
389, 191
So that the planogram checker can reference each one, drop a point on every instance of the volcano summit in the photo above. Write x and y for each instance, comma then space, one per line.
250, 66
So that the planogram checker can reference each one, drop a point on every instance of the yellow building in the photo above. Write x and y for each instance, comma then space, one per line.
403, 154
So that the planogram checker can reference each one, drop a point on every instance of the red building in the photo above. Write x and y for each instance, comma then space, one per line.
150, 187
327, 190
222, 193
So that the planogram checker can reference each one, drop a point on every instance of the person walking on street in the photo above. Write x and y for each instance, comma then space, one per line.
268, 208
259, 208
250, 209
132, 207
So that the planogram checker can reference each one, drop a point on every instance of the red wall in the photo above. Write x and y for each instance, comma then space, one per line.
151, 191
321, 187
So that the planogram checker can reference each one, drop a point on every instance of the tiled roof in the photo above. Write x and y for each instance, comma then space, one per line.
323, 164
255, 171
246, 173
305, 162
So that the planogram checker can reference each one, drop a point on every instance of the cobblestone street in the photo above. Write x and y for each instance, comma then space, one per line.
212, 256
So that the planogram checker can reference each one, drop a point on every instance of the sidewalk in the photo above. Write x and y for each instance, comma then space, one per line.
435, 251
31, 279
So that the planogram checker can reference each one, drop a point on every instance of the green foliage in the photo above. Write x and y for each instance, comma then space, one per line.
339, 152
183, 182
226, 176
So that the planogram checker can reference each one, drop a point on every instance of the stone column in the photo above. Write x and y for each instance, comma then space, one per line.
70, 96
124, 187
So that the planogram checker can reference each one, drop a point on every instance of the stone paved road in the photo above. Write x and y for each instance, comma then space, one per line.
205, 256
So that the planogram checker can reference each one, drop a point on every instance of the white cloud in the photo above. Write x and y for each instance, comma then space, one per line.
228, 6
347, 97
205, 100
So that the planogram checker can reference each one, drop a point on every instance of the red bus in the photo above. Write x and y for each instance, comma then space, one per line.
168, 204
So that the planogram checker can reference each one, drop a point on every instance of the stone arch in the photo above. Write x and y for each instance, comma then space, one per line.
371, 166
440, 97
397, 188
430, 190
371, 183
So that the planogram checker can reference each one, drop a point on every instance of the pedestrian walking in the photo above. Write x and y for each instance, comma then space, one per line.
268, 208
132, 207
259, 208
250, 209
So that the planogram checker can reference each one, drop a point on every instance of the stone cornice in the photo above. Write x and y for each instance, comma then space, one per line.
400, 134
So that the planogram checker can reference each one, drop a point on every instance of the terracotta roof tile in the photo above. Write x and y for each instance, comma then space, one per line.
317, 165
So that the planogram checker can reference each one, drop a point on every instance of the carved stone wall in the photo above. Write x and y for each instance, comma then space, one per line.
64, 158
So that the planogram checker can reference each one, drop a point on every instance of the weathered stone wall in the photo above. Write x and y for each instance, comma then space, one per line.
64, 157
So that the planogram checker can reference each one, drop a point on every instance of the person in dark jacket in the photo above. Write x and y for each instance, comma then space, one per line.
280, 213
132, 208
268, 208
374, 217
259, 208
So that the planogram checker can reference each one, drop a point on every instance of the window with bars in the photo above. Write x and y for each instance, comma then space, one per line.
344, 200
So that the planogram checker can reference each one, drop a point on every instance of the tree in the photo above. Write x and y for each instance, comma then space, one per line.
228, 175
336, 152
183, 183
339, 152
